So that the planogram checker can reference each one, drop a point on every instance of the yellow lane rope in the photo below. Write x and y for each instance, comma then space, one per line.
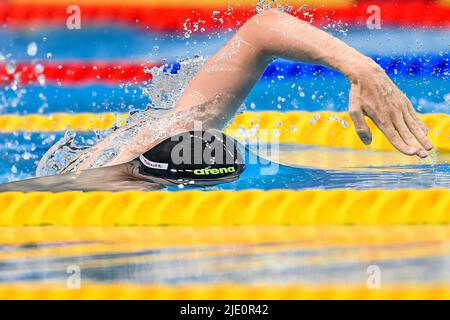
188, 236
58, 122
277, 207
323, 128
49, 291
328, 129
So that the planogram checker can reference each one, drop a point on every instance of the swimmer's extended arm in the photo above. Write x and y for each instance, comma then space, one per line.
215, 93
236, 68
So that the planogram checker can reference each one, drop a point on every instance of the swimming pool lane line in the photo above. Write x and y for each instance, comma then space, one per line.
119, 71
221, 291
249, 207
322, 128
171, 19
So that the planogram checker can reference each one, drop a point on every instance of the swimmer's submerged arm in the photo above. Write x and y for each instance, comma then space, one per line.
272, 33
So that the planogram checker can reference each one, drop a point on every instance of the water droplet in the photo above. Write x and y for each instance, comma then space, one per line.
10, 67
26, 156
39, 68
41, 79
27, 136
147, 70
32, 49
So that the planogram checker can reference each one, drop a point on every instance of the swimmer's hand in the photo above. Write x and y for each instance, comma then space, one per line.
374, 95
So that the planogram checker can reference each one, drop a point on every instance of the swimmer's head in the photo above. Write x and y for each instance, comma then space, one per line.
198, 158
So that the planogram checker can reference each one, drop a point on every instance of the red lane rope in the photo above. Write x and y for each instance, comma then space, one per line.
76, 72
165, 19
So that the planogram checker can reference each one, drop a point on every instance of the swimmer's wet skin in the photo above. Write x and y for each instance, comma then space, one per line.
233, 71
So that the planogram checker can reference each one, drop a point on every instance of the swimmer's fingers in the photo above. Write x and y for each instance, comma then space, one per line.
361, 127
417, 130
415, 116
357, 116
416, 125
407, 136
393, 136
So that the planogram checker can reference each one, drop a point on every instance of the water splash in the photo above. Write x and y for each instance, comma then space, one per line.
169, 82
64, 150
167, 85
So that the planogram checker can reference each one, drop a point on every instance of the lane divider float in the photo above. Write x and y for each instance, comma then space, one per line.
226, 208
172, 17
110, 72
225, 291
324, 128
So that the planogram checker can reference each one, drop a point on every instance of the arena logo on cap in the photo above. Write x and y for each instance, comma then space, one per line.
201, 172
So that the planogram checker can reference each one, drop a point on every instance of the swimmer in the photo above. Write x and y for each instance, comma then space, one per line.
215, 93
193, 158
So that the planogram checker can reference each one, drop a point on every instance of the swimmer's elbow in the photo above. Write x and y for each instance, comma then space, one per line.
268, 14
255, 30
259, 23
266, 29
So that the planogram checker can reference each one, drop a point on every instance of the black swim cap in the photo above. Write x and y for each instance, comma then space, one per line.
199, 158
